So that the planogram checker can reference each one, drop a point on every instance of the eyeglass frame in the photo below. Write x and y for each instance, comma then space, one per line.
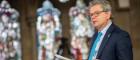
96, 13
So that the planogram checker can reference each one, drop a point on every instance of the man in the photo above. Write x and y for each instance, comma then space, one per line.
109, 41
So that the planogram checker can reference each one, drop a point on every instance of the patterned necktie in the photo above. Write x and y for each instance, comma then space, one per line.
93, 52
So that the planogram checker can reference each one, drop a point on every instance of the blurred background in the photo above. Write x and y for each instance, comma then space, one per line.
44, 29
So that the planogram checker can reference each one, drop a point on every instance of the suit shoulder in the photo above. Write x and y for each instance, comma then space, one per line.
120, 32
121, 36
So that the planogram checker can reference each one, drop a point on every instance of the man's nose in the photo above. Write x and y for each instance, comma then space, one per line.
93, 17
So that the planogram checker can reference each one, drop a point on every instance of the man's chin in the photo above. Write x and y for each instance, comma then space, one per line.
95, 25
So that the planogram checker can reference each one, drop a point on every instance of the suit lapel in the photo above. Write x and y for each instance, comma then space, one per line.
92, 41
105, 40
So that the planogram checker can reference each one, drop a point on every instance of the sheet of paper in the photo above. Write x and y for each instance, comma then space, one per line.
61, 57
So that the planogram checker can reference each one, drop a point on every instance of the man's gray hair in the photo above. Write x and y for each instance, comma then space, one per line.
105, 4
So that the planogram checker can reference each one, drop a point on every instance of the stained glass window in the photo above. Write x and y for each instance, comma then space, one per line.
10, 46
81, 30
48, 31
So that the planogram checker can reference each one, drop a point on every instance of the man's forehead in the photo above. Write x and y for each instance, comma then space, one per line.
96, 7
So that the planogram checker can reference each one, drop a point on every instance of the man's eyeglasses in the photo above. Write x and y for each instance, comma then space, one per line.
96, 13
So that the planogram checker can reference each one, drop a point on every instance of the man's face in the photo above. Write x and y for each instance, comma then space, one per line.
98, 17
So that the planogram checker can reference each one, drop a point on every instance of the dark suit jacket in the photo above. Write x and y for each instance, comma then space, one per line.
116, 45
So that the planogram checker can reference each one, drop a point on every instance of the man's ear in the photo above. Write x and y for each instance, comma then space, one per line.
108, 15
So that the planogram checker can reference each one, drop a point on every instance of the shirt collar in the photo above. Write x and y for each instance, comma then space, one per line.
106, 27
